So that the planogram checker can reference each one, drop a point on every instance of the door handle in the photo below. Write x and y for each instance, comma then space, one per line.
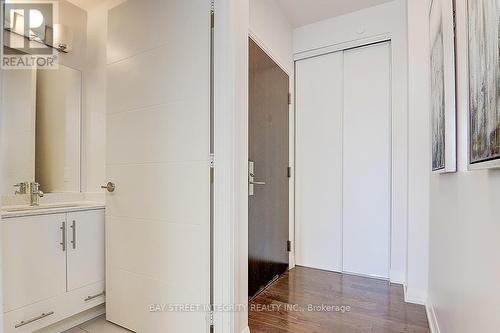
110, 187
89, 298
63, 235
32, 320
257, 183
251, 178
73, 227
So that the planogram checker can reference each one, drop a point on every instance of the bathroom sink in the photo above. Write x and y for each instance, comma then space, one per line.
41, 207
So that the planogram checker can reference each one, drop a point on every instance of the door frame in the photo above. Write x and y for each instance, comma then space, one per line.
291, 145
1, 232
230, 272
230, 215
394, 235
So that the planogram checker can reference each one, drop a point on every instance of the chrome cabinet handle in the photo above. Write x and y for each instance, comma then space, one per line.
73, 227
89, 298
29, 321
110, 187
63, 232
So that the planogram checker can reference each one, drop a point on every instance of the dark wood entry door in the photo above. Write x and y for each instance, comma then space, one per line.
269, 158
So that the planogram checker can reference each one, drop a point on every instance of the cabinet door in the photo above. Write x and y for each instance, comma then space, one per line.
85, 248
34, 260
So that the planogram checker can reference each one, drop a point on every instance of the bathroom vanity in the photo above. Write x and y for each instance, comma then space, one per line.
53, 263
52, 167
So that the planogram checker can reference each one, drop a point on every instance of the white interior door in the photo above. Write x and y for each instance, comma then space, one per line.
367, 160
319, 94
157, 220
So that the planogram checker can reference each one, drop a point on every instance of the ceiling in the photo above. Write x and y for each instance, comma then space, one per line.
303, 12
299, 12
87, 4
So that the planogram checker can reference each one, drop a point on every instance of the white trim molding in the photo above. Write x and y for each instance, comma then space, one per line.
1, 114
342, 46
431, 317
415, 296
230, 279
268, 51
246, 330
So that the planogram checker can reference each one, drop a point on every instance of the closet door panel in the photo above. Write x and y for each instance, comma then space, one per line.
319, 94
367, 160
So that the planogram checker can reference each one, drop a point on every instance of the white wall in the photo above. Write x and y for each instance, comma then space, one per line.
464, 227
94, 131
419, 151
94, 101
354, 29
270, 28
75, 19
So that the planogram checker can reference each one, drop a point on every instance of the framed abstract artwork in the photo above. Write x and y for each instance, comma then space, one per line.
484, 83
443, 104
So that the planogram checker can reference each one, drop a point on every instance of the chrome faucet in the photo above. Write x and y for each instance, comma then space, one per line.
35, 194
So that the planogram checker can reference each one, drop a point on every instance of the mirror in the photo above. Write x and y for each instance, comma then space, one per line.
41, 129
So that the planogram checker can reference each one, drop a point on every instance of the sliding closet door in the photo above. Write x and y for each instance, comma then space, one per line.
319, 95
157, 219
367, 160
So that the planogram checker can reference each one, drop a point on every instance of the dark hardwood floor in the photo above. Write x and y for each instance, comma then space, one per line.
369, 305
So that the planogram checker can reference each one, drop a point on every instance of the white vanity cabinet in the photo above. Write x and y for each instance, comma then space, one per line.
53, 267
85, 248
34, 260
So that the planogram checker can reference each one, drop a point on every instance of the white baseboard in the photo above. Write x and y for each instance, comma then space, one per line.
415, 296
431, 317
246, 330
397, 277
74, 321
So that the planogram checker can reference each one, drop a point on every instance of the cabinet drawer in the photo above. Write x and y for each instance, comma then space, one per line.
87, 297
34, 317
45, 313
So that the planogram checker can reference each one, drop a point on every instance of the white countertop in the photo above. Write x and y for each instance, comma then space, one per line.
52, 208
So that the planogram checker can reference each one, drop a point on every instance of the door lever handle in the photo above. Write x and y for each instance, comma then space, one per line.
257, 183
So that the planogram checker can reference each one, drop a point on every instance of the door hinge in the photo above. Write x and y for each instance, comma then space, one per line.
212, 6
211, 318
212, 161
288, 246
289, 99
289, 172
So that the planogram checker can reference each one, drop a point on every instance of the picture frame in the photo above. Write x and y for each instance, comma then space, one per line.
483, 62
443, 88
